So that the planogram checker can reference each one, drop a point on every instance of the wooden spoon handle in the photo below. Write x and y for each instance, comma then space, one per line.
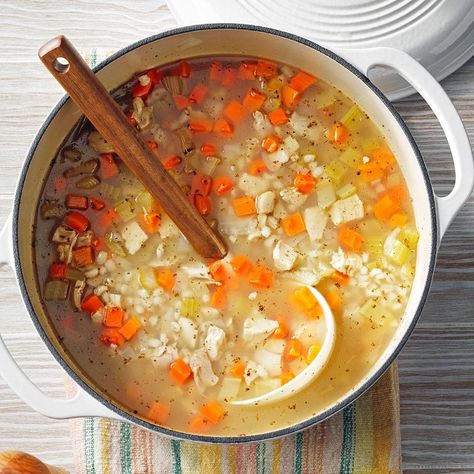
71, 71
16, 462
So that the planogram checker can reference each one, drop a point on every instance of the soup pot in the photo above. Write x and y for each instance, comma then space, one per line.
433, 214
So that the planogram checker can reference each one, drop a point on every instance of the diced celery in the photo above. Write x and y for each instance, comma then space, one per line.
351, 157
346, 191
352, 118
208, 165
398, 252
146, 201
369, 144
125, 210
109, 191
189, 307
271, 103
308, 150
230, 388
326, 194
335, 170
56, 290
147, 278
74, 274
114, 242
409, 236
374, 246
263, 386
325, 98
375, 312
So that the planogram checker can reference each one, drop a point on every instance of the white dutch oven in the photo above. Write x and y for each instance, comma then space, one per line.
433, 214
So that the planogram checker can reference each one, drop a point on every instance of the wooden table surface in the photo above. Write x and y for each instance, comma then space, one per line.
436, 366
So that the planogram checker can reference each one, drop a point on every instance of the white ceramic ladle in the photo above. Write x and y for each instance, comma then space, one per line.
310, 373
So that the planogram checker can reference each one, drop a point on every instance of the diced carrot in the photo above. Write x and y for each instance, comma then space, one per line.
397, 193
111, 336
257, 167
77, 221
57, 271
106, 220
212, 412
380, 161
304, 183
293, 349
339, 134
266, 68
289, 96
285, 377
333, 299
244, 206
92, 304
75, 201
383, 157
171, 162
386, 206
150, 222
293, 224
108, 166
180, 371
223, 128
229, 76
98, 243
166, 279
96, 204
208, 149
219, 298
113, 317
247, 70
155, 76
142, 90
83, 256
60, 184
203, 204
199, 425
159, 413
180, 101
301, 81
241, 264
218, 271
340, 278
200, 125
282, 331
261, 277
399, 219
215, 71
238, 369
198, 94
271, 143
349, 238
278, 116
130, 328
312, 352
182, 69
253, 100
235, 111
201, 184
372, 174
152, 145
222, 185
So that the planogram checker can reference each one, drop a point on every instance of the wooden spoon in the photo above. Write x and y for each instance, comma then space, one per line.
16, 462
71, 71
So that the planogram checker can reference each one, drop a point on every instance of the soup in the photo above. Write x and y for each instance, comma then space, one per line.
304, 189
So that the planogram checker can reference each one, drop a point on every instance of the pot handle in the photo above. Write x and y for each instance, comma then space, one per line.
82, 404
427, 86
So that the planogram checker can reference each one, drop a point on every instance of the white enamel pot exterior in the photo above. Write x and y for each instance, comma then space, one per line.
433, 214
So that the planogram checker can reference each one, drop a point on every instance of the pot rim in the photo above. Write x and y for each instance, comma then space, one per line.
293, 429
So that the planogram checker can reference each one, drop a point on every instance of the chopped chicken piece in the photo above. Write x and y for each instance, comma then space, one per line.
189, 332
253, 371
257, 328
315, 220
293, 197
270, 361
201, 366
346, 210
284, 256
214, 341
265, 202
253, 185
64, 235
134, 237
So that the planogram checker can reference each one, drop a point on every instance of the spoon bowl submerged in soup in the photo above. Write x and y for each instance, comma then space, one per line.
305, 191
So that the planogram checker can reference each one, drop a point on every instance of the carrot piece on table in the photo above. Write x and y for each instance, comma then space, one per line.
201, 125
293, 224
198, 94
96, 204
219, 298
152, 145
223, 128
180, 371
199, 425
247, 70
399, 219
113, 317
208, 149
340, 278
215, 71
293, 349
201, 184
150, 222
166, 279
218, 271
108, 166
241, 264
171, 162
261, 277
203, 204
238, 369
57, 271
76, 201
180, 101
253, 100
111, 336
312, 352
106, 220
77, 221
222, 185
289, 96
266, 68
271, 143
385, 207
83, 256
244, 206
60, 184
212, 412
349, 238
92, 304
301, 81
282, 331
304, 183
333, 299
229, 76
257, 167
285, 377
130, 328
338, 134
235, 111
278, 116
159, 413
